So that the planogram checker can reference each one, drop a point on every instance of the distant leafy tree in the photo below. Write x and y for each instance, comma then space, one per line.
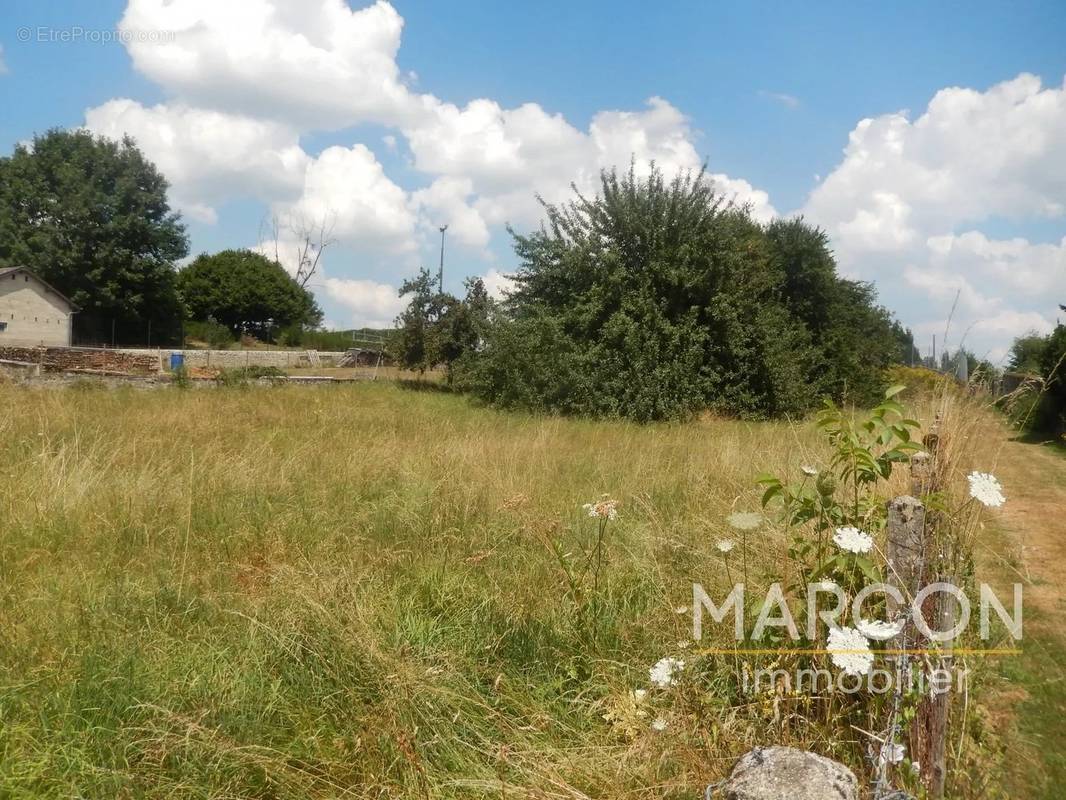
1040, 406
906, 348
1027, 352
91, 217
415, 344
854, 338
465, 324
437, 329
248, 293
1050, 416
658, 298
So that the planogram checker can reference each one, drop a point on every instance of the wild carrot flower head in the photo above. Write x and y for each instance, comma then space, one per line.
605, 508
659, 724
725, 545
808, 470
744, 520
986, 489
853, 540
662, 674
880, 631
849, 651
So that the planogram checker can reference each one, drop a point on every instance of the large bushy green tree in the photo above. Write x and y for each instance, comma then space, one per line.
658, 298
91, 217
248, 293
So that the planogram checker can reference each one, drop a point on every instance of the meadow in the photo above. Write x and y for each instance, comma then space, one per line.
363, 591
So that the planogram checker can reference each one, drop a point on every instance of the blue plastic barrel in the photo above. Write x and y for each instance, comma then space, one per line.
177, 361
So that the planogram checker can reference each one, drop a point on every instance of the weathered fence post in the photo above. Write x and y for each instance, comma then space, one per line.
906, 558
911, 539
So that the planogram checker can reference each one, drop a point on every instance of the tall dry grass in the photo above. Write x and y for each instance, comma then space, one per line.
348, 591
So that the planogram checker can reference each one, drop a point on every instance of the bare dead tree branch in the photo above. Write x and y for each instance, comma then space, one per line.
313, 236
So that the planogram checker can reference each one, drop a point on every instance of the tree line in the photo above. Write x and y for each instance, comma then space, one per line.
656, 299
90, 216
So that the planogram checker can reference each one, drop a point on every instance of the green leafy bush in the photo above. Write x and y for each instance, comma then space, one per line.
658, 299
1039, 405
218, 337
239, 376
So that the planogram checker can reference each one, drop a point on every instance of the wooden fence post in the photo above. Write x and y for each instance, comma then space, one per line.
906, 558
911, 539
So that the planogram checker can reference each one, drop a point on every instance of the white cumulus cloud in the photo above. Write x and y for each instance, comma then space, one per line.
370, 304
208, 156
904, 205
314, 60
349, 186
246, 79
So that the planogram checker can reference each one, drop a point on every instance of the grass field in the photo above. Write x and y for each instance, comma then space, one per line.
356, 590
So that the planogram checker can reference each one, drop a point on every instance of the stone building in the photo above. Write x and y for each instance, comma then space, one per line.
32, 312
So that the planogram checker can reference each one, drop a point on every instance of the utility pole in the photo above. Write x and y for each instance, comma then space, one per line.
441, 276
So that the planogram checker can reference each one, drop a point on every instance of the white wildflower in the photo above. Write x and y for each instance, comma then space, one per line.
639, 696
744, 520
659, 724
808, 470
681, 610
986, 489
662, 674
891, 753
850, 651
605, 508
725, 545
853, 540
880, 631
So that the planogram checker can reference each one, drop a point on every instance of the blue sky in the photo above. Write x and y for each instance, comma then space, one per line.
393, 119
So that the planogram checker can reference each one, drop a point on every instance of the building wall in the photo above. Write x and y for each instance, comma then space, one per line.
31, 314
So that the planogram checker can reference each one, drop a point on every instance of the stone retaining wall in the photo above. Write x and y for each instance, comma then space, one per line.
227, 359
130, 361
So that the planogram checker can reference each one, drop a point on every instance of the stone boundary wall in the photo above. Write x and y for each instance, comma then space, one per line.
132, 361
226, 359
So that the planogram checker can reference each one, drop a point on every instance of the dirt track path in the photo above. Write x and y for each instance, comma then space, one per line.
1034, 480
1034, 519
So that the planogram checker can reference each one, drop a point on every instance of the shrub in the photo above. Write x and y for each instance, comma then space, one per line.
658, 299
239, 376
218, 337
1039, 405
918, 380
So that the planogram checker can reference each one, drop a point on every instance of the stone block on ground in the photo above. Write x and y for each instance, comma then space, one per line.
785, 773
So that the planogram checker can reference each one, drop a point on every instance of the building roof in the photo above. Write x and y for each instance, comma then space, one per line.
8, 270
